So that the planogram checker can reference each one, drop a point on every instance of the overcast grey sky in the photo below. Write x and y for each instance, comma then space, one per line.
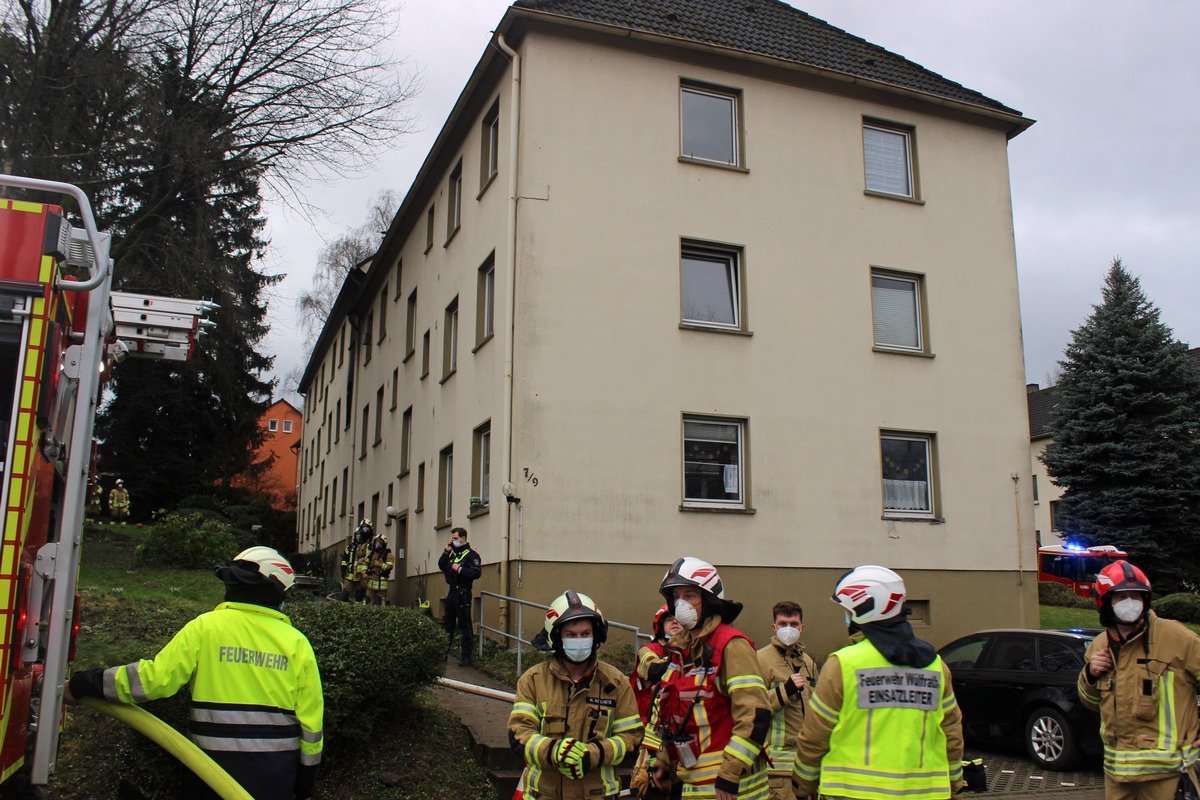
1111, 169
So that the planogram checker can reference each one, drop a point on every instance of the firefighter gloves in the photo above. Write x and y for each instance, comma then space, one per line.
572, 758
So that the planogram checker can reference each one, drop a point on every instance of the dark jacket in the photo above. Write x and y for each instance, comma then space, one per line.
469, 568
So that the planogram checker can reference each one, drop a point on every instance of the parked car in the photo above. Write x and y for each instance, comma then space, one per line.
1019, 685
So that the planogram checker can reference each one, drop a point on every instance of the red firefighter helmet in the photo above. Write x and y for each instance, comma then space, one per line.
659, 616
1119, 576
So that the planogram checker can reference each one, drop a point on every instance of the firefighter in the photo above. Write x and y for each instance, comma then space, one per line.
574, 717
1141, 675
352, 559
713, 713
95, 498
118, 502
652, 661
257, 707
379, 570
883, 722
791, 673
460, 564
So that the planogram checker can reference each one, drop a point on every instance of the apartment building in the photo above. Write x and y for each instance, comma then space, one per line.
692, 277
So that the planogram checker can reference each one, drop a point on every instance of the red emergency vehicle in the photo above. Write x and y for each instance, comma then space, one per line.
1076, 566
59, 338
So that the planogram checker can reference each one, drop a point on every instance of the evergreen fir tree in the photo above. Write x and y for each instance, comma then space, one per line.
1125, 431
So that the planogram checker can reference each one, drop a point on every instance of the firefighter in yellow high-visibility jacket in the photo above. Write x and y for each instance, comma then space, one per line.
257, 707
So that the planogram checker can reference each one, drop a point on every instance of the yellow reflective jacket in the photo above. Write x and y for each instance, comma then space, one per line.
1147, 704
905, 740
601, 711
257, 707
779, 663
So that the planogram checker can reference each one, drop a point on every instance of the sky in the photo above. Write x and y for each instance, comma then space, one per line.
1110, 170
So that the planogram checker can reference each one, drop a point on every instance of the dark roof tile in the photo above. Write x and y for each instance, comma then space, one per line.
769, 28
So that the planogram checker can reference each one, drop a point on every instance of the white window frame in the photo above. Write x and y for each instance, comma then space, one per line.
739, 426
487, 297
287, 426
883, 179
882, 301
733, 97
732, 260
907, 495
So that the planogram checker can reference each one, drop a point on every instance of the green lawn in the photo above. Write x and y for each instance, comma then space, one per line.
1059, 617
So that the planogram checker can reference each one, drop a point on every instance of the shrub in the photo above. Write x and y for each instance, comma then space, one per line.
188, 541
1183, 606
373, 660
1057, 594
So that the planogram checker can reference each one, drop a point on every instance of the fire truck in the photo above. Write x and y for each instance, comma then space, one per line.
62, 329
1076, 566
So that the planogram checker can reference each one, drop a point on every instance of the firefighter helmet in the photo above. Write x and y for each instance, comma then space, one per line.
870, 593
569, 607
660, 619
120, 482
259, 566
1119, 576
691, 571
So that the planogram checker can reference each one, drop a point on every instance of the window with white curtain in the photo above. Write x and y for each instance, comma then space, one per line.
896, 311
713, 462
710, 286
907, 474
887, 159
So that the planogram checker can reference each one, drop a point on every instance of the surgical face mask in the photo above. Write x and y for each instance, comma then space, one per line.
578, 650
787, 636
685, 614
457, 544
1128, 609
848, 619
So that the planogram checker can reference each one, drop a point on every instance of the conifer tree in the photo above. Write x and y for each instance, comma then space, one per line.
1125, 430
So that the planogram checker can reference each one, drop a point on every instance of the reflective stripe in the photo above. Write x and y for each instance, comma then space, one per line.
110, 685
619, 749
743, 750
311, 737
528, 709
239, 745
949, 703
531, 748
746, 682
806, 771
814, 704
233, 717
135, 683
310, 759
626, 724
1166, 711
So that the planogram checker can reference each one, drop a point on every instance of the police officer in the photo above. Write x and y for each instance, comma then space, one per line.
575, 717
883, 722
460, 564
249, 671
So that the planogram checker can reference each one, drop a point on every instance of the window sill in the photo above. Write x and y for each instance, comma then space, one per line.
428, 247
717, 164
888, 196
482, 510
376, 443
899, 352
424, 374
408, 356
419, 510
695, 326
402, 473
718, 509
481, 343
490, 180
447, 376
928, 520
441, 526
450, 236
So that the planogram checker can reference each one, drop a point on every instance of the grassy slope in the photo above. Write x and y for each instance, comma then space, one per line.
129, 612
1059, 617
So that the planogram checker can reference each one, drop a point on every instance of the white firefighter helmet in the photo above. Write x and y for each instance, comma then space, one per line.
691, 571
870, 593
271, 565
568, 607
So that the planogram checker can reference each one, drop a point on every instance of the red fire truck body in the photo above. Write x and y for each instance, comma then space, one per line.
58, 342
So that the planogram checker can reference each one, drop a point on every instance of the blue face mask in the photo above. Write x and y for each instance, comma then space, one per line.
578, 650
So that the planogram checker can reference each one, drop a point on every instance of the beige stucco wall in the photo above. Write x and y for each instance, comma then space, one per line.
603, 373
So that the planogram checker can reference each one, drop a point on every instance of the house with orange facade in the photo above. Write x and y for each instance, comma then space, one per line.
274, 470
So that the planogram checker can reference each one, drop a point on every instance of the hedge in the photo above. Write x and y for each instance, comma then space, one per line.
373, 660
1183, 606
189, 541
1058, 594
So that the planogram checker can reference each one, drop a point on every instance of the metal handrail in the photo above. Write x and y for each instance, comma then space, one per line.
638, 636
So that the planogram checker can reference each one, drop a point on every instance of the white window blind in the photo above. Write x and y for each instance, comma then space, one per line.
885, 155
894, 306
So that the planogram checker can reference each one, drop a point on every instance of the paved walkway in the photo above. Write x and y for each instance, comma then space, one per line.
1010, 775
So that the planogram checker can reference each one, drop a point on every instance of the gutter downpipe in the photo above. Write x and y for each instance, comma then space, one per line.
510, 302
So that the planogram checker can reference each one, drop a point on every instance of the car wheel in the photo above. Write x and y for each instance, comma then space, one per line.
1049, 739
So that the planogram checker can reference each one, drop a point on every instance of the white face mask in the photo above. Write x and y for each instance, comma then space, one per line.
787, 636
578, 650
1128, 609
685, 614
848, 620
